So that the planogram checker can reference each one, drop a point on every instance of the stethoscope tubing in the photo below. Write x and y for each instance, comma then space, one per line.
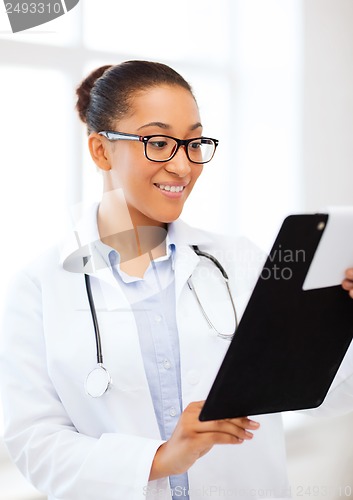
94, 317
226, 279
212, 259
100, 374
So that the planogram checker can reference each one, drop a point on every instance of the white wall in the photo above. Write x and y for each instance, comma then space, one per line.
328, 103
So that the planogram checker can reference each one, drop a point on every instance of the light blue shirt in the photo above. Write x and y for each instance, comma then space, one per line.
152, 299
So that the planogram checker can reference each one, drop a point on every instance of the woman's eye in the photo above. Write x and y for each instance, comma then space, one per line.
195, 145
158, 144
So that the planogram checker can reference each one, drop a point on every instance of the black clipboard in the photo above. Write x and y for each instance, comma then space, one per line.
290, 342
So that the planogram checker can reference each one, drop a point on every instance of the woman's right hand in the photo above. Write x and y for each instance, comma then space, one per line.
192, 439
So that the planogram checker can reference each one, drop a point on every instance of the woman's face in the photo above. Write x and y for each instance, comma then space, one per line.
167, 110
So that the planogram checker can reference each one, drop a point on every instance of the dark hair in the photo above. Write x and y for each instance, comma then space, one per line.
105, 95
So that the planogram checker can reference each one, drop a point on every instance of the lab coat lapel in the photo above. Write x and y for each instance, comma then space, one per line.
186, 260
80, 247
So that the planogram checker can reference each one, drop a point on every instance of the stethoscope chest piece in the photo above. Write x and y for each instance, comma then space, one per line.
98, 381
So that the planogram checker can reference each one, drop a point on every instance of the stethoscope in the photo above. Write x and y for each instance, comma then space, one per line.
99, 380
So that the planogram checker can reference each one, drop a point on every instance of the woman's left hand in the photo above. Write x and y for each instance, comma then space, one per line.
347, 283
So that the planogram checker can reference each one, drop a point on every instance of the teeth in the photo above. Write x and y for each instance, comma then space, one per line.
172, 189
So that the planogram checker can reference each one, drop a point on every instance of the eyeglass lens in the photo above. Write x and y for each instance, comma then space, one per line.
163, 148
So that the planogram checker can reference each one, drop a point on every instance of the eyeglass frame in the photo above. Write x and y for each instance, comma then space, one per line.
145, 138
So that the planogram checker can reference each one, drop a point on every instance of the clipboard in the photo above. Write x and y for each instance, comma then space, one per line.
290, 342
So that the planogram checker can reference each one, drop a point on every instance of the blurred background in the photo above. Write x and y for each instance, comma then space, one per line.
274, 82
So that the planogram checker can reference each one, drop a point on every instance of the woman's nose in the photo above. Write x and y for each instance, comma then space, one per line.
179, 164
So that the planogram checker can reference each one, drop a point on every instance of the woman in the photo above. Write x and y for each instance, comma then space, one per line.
77, 437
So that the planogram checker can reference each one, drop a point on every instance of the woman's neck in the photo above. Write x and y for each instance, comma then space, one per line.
136, 244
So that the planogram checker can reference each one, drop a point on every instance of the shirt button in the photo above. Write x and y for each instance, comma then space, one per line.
158, 318
172, 412
166, 364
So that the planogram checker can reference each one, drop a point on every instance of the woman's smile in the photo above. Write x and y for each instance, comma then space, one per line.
170, 189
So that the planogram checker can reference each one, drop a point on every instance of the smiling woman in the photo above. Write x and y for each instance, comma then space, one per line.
138, 277
77, 431
136, 258
155, 176
168, 107
138, 176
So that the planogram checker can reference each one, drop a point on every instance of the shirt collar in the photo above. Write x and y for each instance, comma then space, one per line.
112, 257
84, 241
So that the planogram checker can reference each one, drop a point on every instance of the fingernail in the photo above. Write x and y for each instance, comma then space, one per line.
254, 424
249, 435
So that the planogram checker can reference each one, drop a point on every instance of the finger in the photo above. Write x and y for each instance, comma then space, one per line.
244, 422
195, 406
238, 423
347, 284
224, 427
349, 274
219, 438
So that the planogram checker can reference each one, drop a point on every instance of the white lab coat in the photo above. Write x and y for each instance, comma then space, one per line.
74, 447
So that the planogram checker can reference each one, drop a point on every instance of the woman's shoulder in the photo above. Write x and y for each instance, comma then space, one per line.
234, 246
238, 255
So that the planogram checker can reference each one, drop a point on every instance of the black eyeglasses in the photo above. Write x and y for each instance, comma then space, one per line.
161, 148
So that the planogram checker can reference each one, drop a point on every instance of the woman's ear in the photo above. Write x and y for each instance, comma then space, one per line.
99, 149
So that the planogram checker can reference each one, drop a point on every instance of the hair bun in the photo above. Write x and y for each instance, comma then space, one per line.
83, 91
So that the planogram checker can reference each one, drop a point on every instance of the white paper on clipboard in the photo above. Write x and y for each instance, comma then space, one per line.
334, 253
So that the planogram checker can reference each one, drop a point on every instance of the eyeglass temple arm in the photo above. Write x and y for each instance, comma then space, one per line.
115, 136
